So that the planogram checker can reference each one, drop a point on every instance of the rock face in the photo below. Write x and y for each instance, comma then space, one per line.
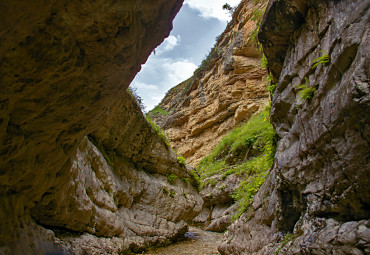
119, 191
76, 155
219, 205
227, 89
317, 194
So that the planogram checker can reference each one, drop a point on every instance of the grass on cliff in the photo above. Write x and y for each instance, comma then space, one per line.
158, 110
158, 130
252, 146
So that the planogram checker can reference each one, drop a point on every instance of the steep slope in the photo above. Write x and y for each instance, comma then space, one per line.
77, 157
226, 90
316, 198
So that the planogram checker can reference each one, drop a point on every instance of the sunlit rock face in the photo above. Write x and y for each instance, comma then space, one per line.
318, 189
76, 155
225, 93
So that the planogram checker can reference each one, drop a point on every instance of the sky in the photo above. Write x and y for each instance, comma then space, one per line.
195, 28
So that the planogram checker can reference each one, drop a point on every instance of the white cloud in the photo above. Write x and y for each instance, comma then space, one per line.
169, 44
212, 8
141, 85
159, 75
179, 71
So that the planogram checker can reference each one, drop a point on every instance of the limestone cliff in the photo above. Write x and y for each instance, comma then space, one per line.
225, 91
77, 158
316, 198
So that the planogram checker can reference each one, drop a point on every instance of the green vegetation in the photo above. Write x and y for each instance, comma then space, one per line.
132, 91
264, 62
159, 131
181, 161
171, 178
172, 193
197, 182
324, 59
257, 132
271, 86
257, 16
248, 188
305, 91
227, 7
253, 145
158, 110
211, 182
186, 180
257, 1
165, 190
286, 240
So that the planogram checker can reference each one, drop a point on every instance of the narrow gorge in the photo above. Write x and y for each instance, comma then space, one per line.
268, 141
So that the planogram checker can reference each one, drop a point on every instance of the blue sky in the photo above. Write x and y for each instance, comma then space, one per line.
194, 31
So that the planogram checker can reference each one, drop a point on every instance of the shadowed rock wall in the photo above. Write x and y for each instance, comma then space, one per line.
318, 189
63, 67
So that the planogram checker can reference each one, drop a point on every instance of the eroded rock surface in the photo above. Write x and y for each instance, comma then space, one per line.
79, 165
118, 196
227, 90
219, 205
318, 189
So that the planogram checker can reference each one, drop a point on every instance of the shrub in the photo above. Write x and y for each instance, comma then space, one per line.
305, 91
227, 7
270, 85
159, 131
197, 183
181, 161
132, 91
264, 62
324, 59
171, 178
186, 180
172, 193
165, 190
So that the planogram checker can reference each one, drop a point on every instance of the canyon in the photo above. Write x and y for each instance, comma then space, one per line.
83, 172
225, 91
69, 182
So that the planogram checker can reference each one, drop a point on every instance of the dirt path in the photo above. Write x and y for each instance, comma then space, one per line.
206, 243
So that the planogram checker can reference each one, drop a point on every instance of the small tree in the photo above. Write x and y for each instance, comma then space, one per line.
133, 92
228, 8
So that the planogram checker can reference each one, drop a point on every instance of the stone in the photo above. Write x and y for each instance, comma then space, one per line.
81, 170
230, 89
318, 187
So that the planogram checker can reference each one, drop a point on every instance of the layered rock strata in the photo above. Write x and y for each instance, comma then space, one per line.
72, 161
227, 89
316, 198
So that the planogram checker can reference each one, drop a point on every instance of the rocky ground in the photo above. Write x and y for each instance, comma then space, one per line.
200, 242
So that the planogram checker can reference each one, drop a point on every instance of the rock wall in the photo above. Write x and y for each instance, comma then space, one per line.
227, 89
316, 198
64, 70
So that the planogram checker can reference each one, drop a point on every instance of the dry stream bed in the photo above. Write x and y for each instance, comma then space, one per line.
204, 243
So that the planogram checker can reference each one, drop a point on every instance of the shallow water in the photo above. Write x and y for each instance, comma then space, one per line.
205, 244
